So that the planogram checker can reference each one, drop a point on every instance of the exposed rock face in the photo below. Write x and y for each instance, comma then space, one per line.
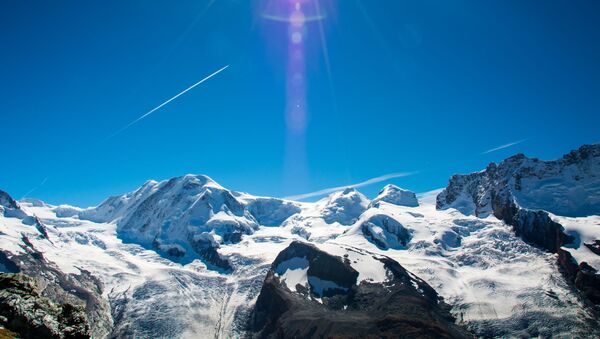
31, 315
584, 277
395, 195
7, 201
9, 207
402, 305
520, 190
385, 232
532, 226
187, 217
594, 246
82, 291
192, 212
569, 186
73, 290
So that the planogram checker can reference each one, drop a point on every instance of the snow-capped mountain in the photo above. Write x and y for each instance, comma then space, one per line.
541, 200
509, 251
329, 290
569, 186
186, 217
395, 195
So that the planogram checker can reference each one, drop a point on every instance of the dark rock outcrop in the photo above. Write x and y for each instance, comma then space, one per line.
583, 277
532, 226
385, 232
569, 186
514, 191
32, 315
9, 207
7, 201
594, 246
208, 251
187, 217
78, 291
403, 306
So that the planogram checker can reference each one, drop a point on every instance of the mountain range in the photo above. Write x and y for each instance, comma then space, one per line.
510, 251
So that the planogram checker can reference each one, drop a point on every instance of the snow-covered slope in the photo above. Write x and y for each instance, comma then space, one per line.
395, 195
188, 258
569, 186
530, 195
329, 290
498, 284
186, 217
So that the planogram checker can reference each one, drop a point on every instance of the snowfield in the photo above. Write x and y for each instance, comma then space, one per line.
497, 284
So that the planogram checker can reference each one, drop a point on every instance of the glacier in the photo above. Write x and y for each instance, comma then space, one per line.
187, 258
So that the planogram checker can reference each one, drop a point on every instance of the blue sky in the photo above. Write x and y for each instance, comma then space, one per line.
398, 86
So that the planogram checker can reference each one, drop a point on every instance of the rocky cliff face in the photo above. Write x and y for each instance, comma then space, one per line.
41, 285
27, 313
9, 207
385, 232
569, 186
82, 291
139, 252
312, 293
187, 217
521, 191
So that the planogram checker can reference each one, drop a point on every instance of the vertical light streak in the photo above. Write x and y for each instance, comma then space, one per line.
296, 71
296, 167
299, 19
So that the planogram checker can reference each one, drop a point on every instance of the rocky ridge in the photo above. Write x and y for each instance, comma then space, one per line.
331, 300
522, 191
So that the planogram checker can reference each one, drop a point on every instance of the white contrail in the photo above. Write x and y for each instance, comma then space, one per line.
504, 146
164, 103
35, 188
360, 184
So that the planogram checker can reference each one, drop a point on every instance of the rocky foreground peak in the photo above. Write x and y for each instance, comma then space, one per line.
347, 293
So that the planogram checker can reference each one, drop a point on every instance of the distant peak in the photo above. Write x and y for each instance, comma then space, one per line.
200, 179
395, 195
349, 190
7, 201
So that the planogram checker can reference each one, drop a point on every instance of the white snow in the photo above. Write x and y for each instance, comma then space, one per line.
585, 230
477, 264
319, 286
369, 269
292, 272
395, 195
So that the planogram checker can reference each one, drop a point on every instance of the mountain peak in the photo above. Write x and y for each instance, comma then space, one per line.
7, 201
395, 195
344, 207
9, 207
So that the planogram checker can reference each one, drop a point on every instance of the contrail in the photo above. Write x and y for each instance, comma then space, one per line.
504, 146
164, 103
360, 184
35, 188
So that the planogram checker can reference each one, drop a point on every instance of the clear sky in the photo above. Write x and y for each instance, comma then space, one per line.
433, 87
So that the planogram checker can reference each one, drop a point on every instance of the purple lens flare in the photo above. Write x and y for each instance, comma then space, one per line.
298, 18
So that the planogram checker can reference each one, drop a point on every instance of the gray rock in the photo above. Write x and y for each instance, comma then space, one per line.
404, 306
31, 315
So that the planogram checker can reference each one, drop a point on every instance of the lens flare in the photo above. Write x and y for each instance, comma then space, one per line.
298, 18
